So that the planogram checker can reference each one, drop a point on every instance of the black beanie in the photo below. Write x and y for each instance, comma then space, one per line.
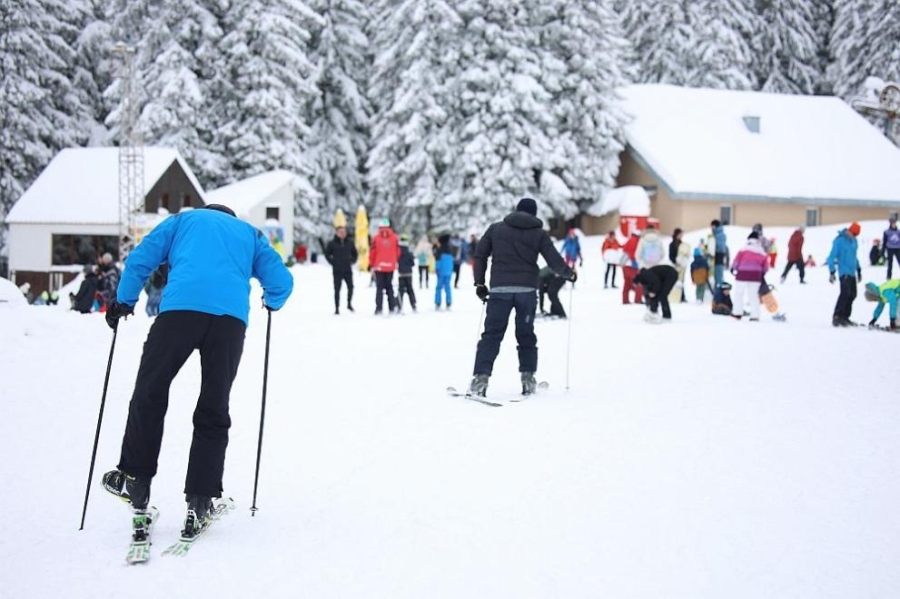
527, 205
753, 235
220, 208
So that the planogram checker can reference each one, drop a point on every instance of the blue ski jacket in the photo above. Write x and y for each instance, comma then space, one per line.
843, 251
211, 257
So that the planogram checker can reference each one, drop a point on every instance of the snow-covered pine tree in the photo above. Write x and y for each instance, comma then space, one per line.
586, 58
663, 39
265, 54
416, 46
721, 57
865, 43
93, 69
40, 112
340, 110
169, 38
786, 51
504, 128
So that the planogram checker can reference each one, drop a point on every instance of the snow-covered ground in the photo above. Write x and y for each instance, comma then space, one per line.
702, 458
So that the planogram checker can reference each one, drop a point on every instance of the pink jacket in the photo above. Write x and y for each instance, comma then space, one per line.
751, 262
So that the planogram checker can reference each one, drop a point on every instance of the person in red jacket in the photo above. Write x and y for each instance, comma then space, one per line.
795, 255
383, 257
630, 270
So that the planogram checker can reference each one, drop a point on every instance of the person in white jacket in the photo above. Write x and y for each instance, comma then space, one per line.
650, 251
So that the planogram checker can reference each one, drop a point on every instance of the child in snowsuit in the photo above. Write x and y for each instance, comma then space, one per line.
550, 284
721, 302
658, 281
700, 274
886, 293
444, 263
405, 274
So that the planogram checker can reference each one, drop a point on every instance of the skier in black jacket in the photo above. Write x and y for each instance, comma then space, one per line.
405, 266
341, 254
513, 244
658, 281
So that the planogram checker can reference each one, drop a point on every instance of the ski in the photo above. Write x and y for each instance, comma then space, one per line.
141, 527
189, 535
877, 327
542, 386
452, 392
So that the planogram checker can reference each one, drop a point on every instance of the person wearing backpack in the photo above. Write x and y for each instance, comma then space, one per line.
649, 250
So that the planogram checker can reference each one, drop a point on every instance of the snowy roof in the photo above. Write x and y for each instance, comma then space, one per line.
808, 148
81, 186
248, 193
628, 200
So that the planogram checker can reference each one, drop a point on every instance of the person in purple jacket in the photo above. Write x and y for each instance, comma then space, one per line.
748, 267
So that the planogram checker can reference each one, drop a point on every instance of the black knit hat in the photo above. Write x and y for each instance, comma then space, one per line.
527, 205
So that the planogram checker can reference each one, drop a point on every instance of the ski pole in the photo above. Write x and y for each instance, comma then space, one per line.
569, 336
262, 413
87, 490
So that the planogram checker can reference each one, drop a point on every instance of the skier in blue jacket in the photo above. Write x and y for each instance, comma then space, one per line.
843, 259
205, 305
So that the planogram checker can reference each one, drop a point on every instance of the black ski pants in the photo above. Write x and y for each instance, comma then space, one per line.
341, 277
172, 339
891, 254
499, 306
405, 287
384, 283
844, 305
423, 275
801, 267
610, 268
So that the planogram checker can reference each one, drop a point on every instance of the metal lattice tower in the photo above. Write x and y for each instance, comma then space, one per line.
131, 152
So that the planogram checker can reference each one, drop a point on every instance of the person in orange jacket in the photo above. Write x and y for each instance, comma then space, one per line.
383, 257
610, 256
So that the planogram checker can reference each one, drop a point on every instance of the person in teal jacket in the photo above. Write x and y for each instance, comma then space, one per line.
843, 259
886, 293
205, 306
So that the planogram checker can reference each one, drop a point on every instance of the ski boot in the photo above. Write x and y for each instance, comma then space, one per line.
529, 384
130, 489
479, 384
198, 516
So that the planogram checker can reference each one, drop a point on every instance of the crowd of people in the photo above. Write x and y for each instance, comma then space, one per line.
656, 278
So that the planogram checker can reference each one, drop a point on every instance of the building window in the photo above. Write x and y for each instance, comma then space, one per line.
187, 201
271, 212
726, 215
82, 249
164, 202
812, 217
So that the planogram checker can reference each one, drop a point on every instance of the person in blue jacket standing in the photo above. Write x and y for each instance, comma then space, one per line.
205, 306
444, 263
843, 259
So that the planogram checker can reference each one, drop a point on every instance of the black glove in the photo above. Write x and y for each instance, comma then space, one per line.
831, 278
115, 311
482, 292
573, 277
266, 306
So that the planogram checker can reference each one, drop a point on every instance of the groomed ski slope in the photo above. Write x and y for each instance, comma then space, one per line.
705, 458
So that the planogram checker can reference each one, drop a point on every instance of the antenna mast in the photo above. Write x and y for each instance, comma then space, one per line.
131, 152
